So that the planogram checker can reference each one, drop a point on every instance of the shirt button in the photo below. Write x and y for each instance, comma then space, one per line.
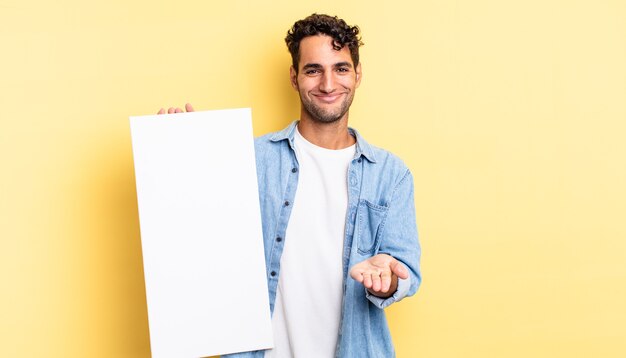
359, 160
279, 239
294, 170
273, 273
286, 202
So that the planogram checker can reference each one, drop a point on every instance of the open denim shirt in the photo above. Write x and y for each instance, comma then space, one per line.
380, 219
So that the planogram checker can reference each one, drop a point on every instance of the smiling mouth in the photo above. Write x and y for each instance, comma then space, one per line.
328, 98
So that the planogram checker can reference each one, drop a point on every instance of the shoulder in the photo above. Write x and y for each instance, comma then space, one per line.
267, 144
385, 177
275, 140
379, 159
264, 139
387, 158
386, 161
393, 168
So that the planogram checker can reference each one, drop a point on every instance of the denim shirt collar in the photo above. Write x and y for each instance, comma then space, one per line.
362, 147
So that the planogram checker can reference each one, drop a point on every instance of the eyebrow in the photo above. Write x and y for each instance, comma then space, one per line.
311, 65
343, 64
318, 66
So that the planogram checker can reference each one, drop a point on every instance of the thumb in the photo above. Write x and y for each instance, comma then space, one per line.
398, 268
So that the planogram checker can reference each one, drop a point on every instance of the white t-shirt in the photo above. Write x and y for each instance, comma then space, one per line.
310, 286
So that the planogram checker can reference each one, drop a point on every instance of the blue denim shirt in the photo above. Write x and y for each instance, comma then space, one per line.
380, 219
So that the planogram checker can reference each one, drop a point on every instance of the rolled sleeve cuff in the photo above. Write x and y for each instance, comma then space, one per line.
401, 292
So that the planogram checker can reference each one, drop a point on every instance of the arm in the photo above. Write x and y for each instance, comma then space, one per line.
397, 262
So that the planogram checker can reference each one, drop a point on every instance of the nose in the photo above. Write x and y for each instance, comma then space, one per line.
327, 82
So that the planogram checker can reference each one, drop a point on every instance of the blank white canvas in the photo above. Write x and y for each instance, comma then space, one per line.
201, 233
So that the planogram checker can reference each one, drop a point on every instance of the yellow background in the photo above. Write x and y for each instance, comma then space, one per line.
511, 115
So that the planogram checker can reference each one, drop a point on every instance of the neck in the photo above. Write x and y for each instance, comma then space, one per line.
326, 135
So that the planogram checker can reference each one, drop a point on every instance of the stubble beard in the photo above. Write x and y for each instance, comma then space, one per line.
321, 115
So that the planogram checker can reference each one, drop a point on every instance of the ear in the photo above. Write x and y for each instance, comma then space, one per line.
293, 77
359, 74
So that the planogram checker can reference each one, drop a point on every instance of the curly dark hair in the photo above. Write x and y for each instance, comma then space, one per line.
319, 24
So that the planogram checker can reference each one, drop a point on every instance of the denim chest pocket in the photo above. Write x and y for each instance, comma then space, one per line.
370, 222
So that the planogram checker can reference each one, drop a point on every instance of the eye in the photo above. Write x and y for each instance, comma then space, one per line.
311, 72
343, 69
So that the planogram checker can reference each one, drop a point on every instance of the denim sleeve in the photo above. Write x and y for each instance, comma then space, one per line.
399, 240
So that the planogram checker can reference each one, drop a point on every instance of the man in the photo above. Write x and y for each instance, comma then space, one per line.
331, 205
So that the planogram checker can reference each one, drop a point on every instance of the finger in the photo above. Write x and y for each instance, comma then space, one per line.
161, 111
356, 275
367, 280
170, 110
178, 110
398, 268
189, 107
386, 281
376, 284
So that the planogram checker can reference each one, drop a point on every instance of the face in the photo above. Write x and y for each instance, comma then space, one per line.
326, 80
